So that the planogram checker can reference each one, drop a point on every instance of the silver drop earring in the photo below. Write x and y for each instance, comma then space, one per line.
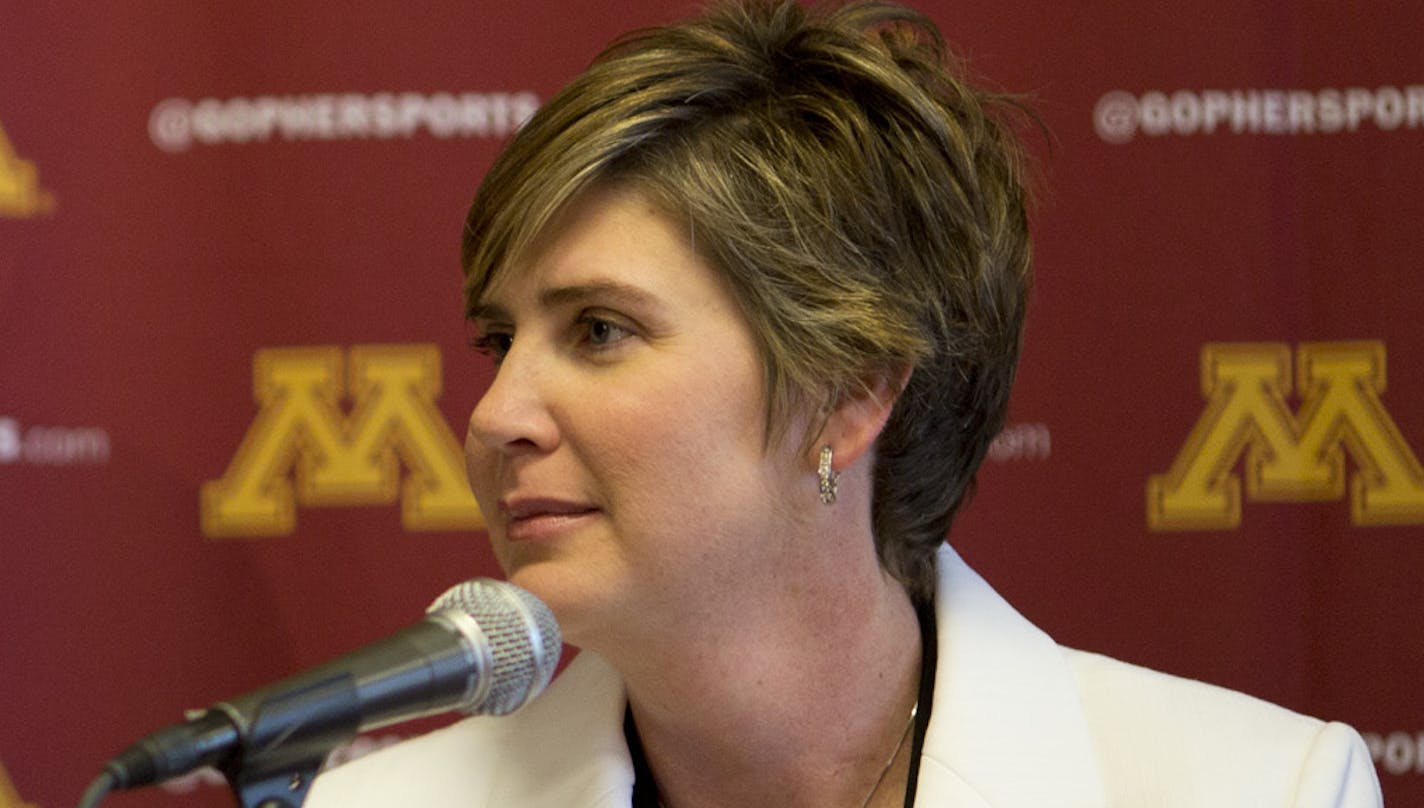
829, 479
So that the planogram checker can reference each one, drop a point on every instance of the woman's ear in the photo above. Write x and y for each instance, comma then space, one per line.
857, 419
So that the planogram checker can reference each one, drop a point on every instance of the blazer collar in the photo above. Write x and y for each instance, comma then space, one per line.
1008, 728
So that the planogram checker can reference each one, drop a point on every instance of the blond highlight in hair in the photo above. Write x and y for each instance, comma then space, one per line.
864, 201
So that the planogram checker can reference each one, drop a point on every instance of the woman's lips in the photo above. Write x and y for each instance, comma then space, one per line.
543, 519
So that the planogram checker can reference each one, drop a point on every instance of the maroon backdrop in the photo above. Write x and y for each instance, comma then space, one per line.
1212, 466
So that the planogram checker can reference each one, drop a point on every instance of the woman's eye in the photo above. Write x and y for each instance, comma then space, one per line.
495, 345
602, 332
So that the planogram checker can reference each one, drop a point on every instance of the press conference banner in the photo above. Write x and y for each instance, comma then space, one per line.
234, 372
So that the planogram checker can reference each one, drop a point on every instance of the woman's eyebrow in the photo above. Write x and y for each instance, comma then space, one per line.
487, 311
612, 291
607, 291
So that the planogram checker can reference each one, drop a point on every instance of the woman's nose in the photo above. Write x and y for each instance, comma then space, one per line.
513, 416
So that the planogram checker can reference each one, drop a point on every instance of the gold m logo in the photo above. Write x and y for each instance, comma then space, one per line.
1289, 457
300, 431
20, 193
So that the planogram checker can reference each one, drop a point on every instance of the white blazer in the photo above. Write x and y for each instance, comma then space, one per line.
1017, 722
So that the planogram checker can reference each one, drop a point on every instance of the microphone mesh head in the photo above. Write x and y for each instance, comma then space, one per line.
523, 636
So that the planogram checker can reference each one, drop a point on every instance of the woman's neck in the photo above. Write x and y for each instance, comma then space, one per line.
801, 700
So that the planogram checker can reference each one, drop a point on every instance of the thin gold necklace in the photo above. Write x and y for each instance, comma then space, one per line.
896, 753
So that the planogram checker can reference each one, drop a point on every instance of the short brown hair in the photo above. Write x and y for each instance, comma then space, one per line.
864, 201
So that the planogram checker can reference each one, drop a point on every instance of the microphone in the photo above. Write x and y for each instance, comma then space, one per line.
485, 647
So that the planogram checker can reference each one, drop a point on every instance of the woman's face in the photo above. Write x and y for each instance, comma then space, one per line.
619, 454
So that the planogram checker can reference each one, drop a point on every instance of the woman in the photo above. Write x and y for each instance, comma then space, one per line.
755, 285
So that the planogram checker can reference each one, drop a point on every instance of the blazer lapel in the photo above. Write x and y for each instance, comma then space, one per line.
1008, 729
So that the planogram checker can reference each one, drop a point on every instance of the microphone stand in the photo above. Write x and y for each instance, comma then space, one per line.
289, 739
269, 759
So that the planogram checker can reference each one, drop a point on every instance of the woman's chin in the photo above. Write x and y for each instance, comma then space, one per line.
575, 600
